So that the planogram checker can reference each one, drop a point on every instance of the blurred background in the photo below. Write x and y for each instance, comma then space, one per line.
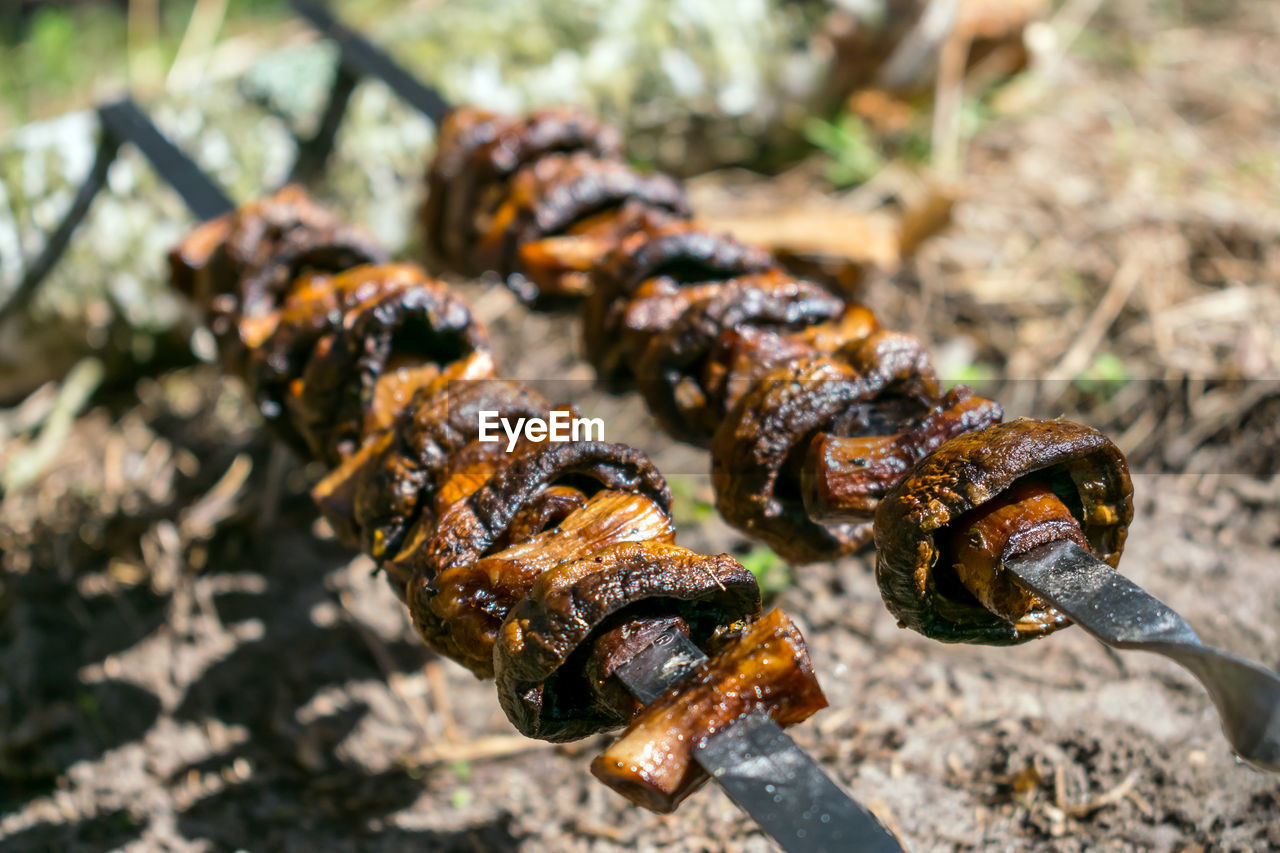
1076, 203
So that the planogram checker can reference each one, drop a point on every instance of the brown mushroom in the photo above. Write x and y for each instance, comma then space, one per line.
377, 494
668, 372
549, 196
268, 244
544, 694
476, 525
757, 454
478, 152
190, 257
672, 255
919, 520
560, 266
845, 477
410, 328
380, 371
767, 667
460, 611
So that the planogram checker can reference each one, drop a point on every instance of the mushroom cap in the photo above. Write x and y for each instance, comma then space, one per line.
760, 444
268, 244
409, 317
471, 528
373, 299
548, 196
380, 492
461, 610
672, 359
461, 133
965, 473
477, 153
546, 695
683, 252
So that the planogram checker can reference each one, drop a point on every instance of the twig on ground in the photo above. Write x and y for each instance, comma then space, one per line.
1106, 798
218, 504
1077, 356
75, 392
493, 746
948, 98
440, 699
197, 43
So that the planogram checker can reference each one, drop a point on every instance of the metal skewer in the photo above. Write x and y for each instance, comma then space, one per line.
359, 57
1124, 616
127, 123
758, 765
120, 122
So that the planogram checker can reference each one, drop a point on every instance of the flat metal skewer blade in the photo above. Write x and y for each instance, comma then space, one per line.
761, 768
360, 54
122, 122
108, 147
128, 123
1123, 615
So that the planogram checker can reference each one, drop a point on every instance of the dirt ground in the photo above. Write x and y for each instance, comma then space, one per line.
191, 663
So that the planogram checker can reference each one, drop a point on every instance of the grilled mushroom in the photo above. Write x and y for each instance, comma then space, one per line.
669, 371
767, 667
942, 501
460, 611
381, 491
547, 564
268, 244
757, 455
671, 256
406, 333
554, 193
812, 411
541, 685
846, 476
461, 133
470, 529
478, 151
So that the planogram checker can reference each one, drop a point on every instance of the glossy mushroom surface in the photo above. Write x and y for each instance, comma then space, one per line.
917, 523
545, 563
767, 668
543, 694
813, 413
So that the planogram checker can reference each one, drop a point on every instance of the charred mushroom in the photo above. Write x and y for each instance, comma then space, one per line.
987, 495
542, 687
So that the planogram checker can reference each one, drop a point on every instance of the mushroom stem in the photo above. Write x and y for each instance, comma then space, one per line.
1025, 517
843, 478
652, 762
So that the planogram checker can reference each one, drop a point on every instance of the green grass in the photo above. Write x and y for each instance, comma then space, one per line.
1105, 375
771, 571
853, 156
63, 58
687, 507
855, 153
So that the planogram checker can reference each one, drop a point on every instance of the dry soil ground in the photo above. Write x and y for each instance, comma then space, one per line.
189, 663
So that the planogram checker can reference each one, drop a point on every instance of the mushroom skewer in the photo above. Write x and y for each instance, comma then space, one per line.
824, 429
550, 568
